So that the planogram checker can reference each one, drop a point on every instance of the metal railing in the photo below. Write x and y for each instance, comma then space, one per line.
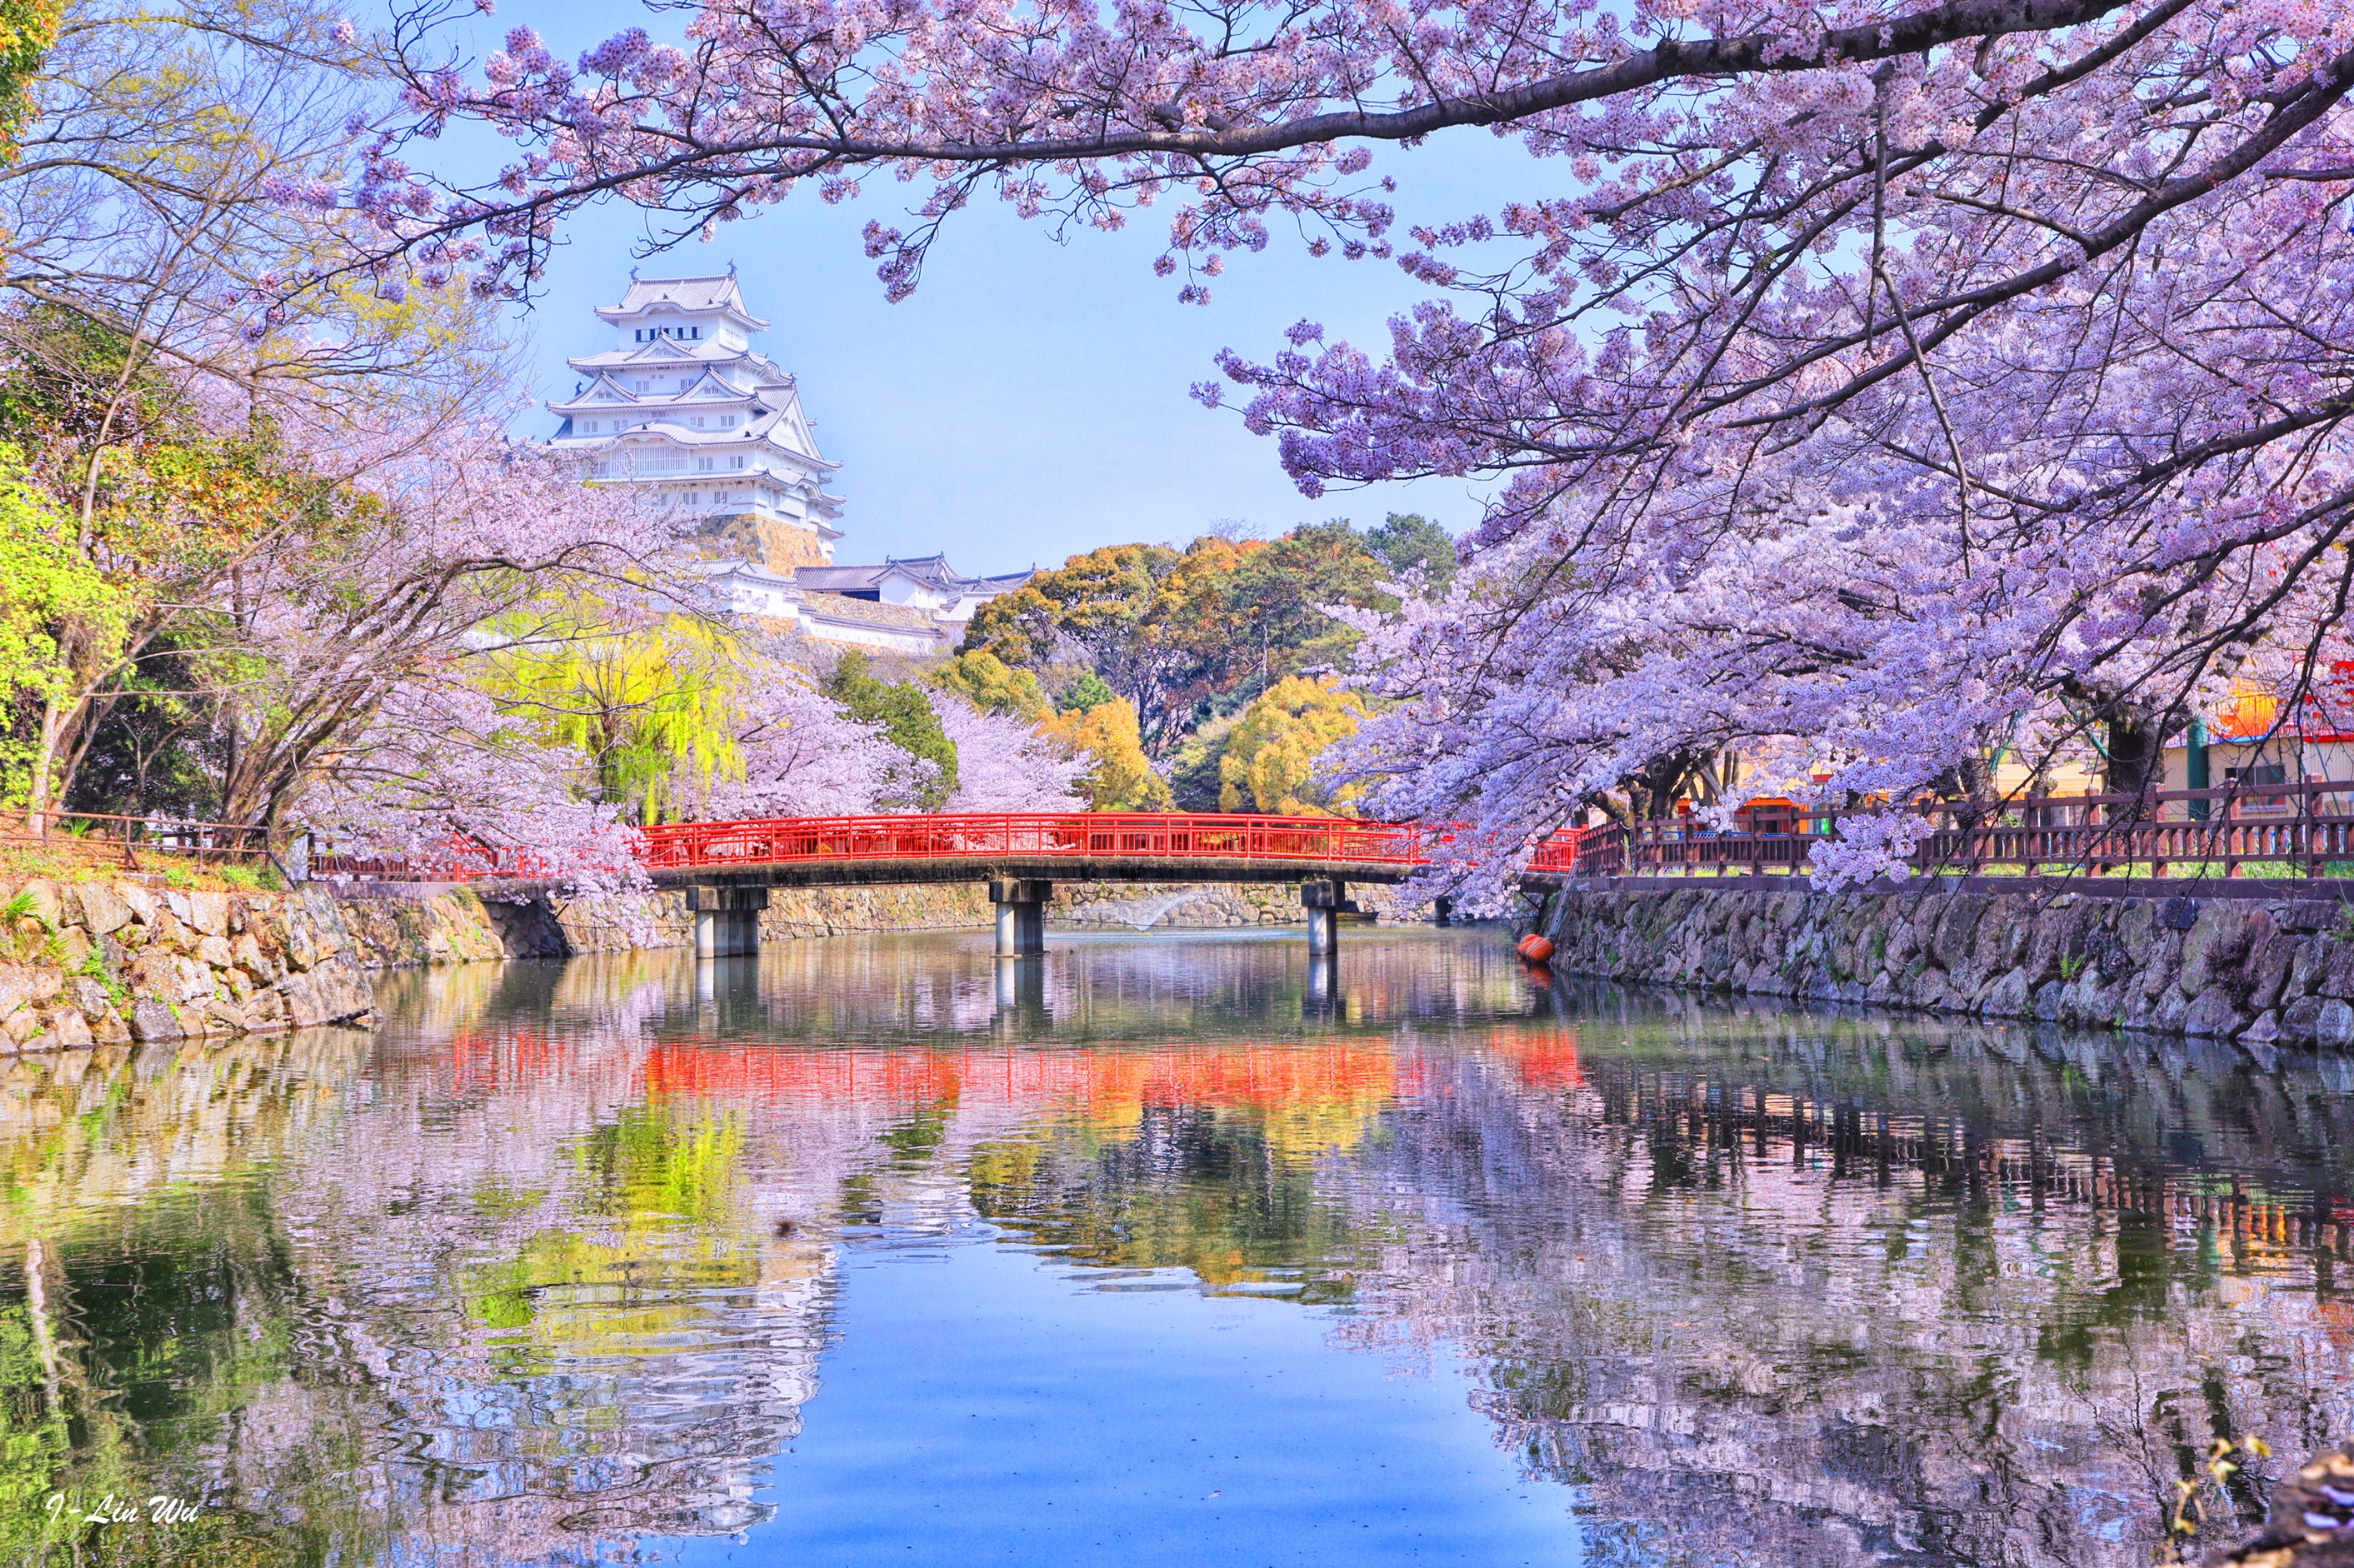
100, 833
2280, 830
460, 860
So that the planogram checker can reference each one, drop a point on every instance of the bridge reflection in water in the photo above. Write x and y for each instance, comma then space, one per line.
553, 1268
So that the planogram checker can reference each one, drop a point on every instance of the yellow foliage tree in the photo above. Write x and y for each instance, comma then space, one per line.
985, 681
1270, 760
1121, 780
27, 28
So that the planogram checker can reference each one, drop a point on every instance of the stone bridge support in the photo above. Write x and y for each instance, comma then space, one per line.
727, 919
1324, 899
1021, 914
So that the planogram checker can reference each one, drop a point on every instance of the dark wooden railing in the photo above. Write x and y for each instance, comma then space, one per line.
2279, 830
96, 832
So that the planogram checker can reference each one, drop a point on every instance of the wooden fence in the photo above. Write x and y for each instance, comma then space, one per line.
2266, 829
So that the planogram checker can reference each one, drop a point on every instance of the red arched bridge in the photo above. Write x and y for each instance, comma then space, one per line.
727, 868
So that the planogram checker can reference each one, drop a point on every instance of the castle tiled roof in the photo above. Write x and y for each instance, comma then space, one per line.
713, 293
932, 571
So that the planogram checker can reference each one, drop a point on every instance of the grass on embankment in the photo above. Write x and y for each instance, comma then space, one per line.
67, 859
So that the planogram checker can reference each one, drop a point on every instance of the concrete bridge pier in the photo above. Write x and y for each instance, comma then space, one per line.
1323, 898
1021, 914
727, 919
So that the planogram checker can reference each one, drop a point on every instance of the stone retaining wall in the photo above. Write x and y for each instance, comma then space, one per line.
1207, 906
123, 958
2276, 967
662, 920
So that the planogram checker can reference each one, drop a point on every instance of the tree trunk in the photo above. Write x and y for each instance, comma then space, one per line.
2136, 761
40, 793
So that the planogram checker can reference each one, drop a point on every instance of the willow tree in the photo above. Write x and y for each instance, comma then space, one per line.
651, 701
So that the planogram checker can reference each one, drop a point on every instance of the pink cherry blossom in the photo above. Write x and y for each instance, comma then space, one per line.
804, 757
1875, 389
1003, 764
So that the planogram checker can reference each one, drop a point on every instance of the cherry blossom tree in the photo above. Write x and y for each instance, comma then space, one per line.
1004, 764
389, 579
440, 777
803, 757
1875, 387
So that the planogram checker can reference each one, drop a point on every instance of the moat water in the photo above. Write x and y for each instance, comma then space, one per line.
1164, 1249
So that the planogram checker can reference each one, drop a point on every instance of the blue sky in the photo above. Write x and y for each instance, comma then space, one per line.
1030, 401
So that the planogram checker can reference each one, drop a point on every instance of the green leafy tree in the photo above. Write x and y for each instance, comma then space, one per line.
1195, 781
1407, 540
1281, 591
1096, 601
1122, 778
654, 708
160, 143
908, 721
51, 598
1186, 635
1108, 610
153, 745
27, 28
1088, 691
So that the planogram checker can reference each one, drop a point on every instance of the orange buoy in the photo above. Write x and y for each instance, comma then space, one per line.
1521, 947
1535, 948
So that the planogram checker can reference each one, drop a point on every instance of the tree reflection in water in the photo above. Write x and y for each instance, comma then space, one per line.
548, 1269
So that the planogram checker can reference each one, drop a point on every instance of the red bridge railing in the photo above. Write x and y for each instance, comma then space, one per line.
1041, 836
1027, 838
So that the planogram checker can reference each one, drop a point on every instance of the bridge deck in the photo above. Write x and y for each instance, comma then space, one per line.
1071, 868
1058, 846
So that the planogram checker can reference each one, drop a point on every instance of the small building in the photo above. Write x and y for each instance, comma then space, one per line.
2256, 739
919, 613
927, 583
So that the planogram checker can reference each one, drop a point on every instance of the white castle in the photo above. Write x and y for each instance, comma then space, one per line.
684, 406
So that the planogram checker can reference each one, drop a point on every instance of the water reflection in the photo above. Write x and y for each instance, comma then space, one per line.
550, 1270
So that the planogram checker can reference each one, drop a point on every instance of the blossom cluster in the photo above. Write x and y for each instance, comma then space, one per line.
1875, 387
